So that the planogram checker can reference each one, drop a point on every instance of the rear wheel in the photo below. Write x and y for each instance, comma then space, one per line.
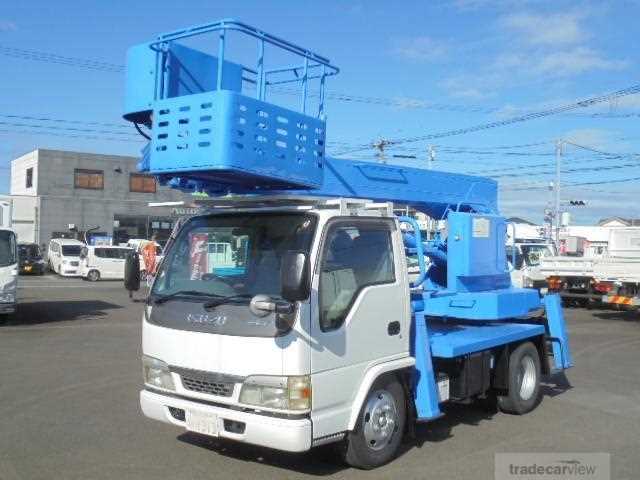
93, 275
380, 426
524, 381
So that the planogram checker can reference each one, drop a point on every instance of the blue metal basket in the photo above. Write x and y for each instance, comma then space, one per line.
205, 129
224, 132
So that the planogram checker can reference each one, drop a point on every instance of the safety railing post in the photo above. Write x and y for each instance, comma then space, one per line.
260, 86
220, 57
305, 85
321, 101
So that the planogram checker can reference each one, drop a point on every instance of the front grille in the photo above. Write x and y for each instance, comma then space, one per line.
211, 388
74, 264
207, 382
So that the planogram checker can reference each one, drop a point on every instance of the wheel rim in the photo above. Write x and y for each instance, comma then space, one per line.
93, 275
527, 377
380, 419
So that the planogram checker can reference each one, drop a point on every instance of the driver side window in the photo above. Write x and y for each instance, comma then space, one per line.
355, 255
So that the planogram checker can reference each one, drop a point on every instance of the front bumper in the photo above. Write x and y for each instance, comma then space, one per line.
69, 271
291, 435
35, 268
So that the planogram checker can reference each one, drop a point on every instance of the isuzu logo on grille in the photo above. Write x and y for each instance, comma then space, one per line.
206, 319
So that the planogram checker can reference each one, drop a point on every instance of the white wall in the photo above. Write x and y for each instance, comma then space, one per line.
19, 168
5, 212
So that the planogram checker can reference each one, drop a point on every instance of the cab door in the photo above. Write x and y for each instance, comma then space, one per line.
360, 288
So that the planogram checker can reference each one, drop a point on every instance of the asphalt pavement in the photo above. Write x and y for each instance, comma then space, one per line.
71, 375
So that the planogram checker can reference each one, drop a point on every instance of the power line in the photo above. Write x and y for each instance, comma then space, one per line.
598, 182
519, 119
72, 129
60, 59
398, 102
68, 135
61, 120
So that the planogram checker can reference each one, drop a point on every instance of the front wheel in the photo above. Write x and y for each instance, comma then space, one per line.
524, 381
378, 432
93, 275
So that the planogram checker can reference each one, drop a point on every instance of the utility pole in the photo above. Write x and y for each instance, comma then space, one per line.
431, 156
380, 146
557, 192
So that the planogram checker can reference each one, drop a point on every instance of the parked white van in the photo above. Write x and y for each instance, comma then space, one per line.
103, 262
63, 256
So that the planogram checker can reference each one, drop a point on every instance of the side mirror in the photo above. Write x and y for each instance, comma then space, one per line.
294, 276
132, 272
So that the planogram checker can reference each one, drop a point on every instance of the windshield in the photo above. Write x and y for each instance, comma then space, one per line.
7, 248
232, 255
28, 251
533, 253
71, 250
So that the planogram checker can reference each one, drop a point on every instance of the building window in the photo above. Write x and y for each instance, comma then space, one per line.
91, 179
29, 178
142, 183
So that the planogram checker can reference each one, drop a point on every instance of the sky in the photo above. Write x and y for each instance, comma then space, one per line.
408, 70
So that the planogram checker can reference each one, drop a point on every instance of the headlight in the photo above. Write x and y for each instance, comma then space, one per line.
156, 373
282, 393
8, 297
64, 261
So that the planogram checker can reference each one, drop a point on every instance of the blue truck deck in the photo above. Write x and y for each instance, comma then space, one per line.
450, 340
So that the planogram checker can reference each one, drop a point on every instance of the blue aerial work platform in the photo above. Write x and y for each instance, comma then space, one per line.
212, 130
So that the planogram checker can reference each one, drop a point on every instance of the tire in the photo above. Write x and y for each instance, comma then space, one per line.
524, 381
378, 433
93, 275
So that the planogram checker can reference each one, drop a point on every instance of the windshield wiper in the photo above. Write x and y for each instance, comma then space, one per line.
221, 300
182, 293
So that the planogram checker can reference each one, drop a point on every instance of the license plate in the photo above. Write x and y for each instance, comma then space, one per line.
201, 422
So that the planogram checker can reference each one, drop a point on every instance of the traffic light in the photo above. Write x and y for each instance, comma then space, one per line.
577, 203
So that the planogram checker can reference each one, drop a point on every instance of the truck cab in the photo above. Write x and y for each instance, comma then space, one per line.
270, 368
524, 259
8, 271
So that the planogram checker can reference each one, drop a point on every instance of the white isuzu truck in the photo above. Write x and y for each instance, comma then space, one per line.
284, 316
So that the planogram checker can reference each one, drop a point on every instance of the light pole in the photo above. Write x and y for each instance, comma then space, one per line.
556, 185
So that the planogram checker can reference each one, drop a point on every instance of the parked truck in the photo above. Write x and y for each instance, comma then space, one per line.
618, 274
572, 278
8, 271
525, 258
315, 334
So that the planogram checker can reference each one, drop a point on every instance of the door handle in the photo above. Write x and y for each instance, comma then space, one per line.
393, 328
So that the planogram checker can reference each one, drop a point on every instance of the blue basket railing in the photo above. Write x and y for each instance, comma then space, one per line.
312, 66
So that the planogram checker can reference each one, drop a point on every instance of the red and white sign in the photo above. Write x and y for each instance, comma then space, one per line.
198, 255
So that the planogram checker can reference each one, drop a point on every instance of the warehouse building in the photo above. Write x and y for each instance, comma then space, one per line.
57, 193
